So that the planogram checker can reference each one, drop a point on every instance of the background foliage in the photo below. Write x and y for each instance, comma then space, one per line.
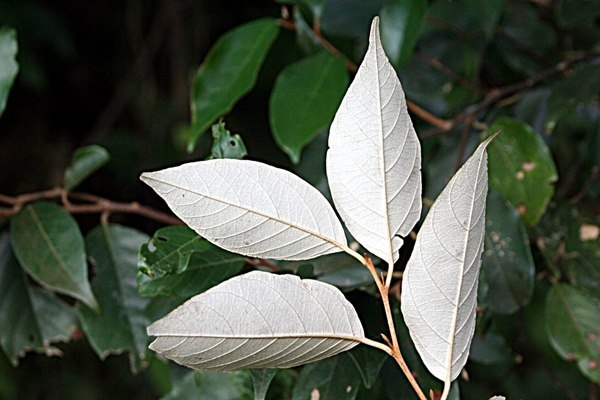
106, 90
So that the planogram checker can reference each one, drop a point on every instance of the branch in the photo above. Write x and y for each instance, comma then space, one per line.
495, 95
93, 205
425, 115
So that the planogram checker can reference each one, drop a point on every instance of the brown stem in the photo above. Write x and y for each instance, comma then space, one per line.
94, 205
396, 353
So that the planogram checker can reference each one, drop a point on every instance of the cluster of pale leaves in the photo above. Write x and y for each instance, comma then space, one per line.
264, 320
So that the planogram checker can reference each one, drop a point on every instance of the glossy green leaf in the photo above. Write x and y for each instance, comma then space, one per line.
507, 264
86, 160
8, 63
210, 385
335, 378
121, 323
573, 327
177, 262
49, 246
228, 72
521, 168
31, 318
401, 25
304, 100
261, 380
226, 145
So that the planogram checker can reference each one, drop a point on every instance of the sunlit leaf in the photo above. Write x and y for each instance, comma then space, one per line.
49, 246
251, 208
313, 88
228, 72
374, 157
120, 325
86, 160
258, 320
439, 286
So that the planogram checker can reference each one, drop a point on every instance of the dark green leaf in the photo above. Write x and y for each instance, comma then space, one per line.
401, 25
8, 63
261, 380
210, 385
304, 100
369, 362
490, 348
349, 18
577, 13
228, 72
49, 246
226, 145
86, 160
30, 318
508, 269
335, 378
521, 168
573, 327
178, 262
121, 324
581, 86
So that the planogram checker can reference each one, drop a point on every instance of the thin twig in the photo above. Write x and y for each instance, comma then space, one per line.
435, 63
260, 262
94, 205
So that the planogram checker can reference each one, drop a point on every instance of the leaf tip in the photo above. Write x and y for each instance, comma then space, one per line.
374, 35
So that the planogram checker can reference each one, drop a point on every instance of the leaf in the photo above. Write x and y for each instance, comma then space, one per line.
258, 320
177, 262
251, 208
120, 324
369, 362
49, 246
211, 385
226, 145
439, 286
508, 267
30, 318
8, 63
228, 72
521, 168
333, 379
490, 348
86, 160
374, 159
261, 379
312, 88
576, 336
401, 25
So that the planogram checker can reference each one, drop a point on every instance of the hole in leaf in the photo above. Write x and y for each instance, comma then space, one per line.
232, 143
162, 238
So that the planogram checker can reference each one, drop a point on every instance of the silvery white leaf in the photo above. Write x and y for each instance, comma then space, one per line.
439, 286
251, 208
258, 320
374, 157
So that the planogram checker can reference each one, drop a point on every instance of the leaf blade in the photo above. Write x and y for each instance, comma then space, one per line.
86, 160
268, 212
313, 88
258, 320
120, 324
228, 72
58, 260
370, 192
8, 63
439, 306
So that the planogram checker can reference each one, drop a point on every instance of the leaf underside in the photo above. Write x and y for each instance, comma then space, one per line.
251, 208
374, 157
258, 320
439, 287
